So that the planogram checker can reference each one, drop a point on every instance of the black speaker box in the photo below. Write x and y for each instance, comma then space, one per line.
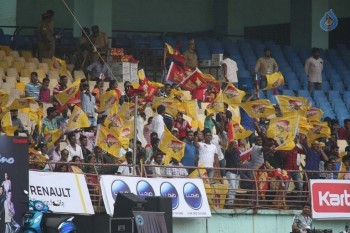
126, 203
121, 225
161, 204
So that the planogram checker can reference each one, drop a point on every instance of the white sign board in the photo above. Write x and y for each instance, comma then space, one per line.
68, 189
189, 199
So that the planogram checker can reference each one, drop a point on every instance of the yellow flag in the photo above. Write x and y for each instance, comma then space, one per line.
127, 111
112, 119
288, 144
215, 107
107, 140
318, 130
172, 146
9, 130
107, 100
282, 127
258, 108
64, 96
4, 98
20, 103
52, 136
239, 132
274, 80
6, 125
290, 104
177, 93
126, 132
171, 105
141, 74
232, 95
60, 65
314, 114
6, 120
304, 125
190, 107
196, 124
78, 119
216, 194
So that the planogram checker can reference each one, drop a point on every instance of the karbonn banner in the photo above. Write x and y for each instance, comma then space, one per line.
330, 199
13, 181
68, 190
189, 199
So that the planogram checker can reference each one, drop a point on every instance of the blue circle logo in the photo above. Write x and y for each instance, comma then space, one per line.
192, 196
144, 189
168, 190
119, 186
139, 220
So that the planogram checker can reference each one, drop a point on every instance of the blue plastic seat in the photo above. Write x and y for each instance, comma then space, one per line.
245, 84
294, 85
333, 95
318, 93
339, 86
288, 92
303, 93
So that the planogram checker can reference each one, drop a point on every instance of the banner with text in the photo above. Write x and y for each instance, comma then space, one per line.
330, 199
189, 199
13, 180
68, 189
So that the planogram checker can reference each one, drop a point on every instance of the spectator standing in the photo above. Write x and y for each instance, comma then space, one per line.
230, 71
208, 154
88, 102
344, 132
99, 69
51, 121
32, 89
158, 124
313, 70
313, 158
147, 130
189, 158
158, 169
83, 144
232, 157
73, 148
45, 92
191, 56
181, 124
265, 65
46, 35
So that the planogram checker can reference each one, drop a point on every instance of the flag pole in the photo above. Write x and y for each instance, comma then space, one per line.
135, 135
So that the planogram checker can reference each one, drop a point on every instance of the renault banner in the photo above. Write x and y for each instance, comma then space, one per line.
189, 199
68, 191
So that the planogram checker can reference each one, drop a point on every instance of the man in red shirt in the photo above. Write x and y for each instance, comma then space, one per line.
290, 163
344, 132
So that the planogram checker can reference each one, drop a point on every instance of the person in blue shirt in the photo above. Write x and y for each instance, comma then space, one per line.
190, 158
98, 68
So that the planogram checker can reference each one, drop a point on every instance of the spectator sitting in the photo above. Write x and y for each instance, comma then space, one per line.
17, 122
174, 170
125, 170
157, 169
175, 132
52, 121
76, 168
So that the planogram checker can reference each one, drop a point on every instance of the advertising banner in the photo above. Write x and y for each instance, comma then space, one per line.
13, 181
68, 190
330, 199
189, 199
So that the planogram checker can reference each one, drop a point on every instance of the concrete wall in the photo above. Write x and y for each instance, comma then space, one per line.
254, 13
165, 15
29, 12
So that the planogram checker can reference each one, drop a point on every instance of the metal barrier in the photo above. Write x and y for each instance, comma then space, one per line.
255, 189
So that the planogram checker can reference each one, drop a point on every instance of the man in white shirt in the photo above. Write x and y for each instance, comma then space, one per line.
313, 70
208, 154
230, 71
158, 124
73, 148
126, 170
